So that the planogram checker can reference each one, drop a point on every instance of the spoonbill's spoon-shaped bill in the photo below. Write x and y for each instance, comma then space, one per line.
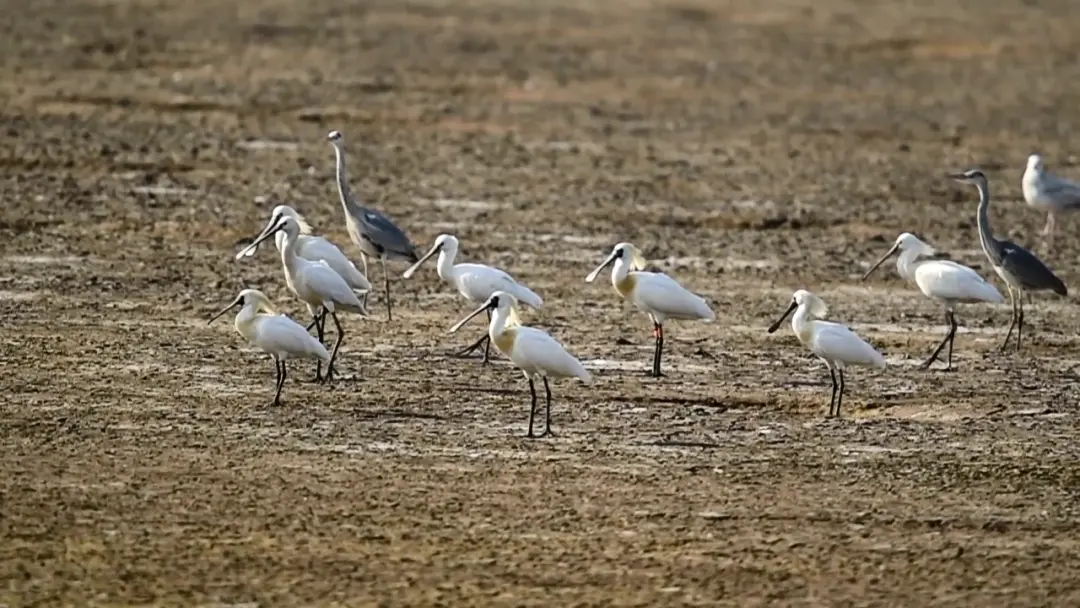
1045, 191
310, 247
836, 345
943, 281
1022, 271
475, 282
316, 284
531, 350
653, 293
369, 229
277, 335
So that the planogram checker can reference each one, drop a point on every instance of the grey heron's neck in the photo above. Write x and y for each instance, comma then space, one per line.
342, 181
986, 235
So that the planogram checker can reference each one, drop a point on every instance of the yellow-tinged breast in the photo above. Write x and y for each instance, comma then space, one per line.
504, 341
626, 285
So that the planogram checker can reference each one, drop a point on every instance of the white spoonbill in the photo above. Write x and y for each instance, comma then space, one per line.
276, 334
474, 281
943, 281
533, 351
312, 247
653, 293
1048, 192
835, 344
316, 284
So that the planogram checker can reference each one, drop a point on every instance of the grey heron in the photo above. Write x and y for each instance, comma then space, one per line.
1046, 191
1021, 270
371, 231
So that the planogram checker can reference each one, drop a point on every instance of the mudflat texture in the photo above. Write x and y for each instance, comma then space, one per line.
748, 148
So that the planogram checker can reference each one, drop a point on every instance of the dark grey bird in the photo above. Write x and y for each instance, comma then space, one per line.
371, 231
1021, 270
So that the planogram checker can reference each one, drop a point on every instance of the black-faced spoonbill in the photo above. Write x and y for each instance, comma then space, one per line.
1047, 192
833, 343
533, 351
943, 281
474, 281
1021, 270
314, 248
276, 334
316, 284
371, 231
653, 293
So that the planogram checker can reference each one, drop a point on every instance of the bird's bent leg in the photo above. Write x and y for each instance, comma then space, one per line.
832, 400
532, 408
337, 345
386, 287
484, 341
547, 425
279, 382
1008, 334
840, 396
934, 355
1019, 324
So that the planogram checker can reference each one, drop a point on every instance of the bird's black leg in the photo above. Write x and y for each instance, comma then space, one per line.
532, 408
832, 400
547, 428
1020, 323
386, 286
948, 336
319, 323
1008, 334
280, 381
337, 345
952, 337
840, 397
658, 332
485, 341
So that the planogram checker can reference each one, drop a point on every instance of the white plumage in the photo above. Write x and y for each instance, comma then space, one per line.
1048, 192
833, 343
531, 350
653, 293
314, 248
276, 334
476, 282
316, 284
944, 281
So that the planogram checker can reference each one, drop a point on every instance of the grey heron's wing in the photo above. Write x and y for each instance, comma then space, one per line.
1029, 269
387, 238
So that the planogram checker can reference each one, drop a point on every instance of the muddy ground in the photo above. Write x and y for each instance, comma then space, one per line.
749, 148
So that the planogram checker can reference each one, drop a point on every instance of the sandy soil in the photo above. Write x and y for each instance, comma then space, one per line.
749, 148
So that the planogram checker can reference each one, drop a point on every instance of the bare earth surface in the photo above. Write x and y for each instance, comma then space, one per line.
749, 148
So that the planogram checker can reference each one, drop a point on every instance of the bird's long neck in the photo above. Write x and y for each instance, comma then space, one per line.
620, 272
498, 323
245, 318
907, 263
445, 263
344, 192
289, 257
986, 235
800, 323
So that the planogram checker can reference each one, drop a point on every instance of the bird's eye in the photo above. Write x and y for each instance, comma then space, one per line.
241, 300
495, 301
618, 253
